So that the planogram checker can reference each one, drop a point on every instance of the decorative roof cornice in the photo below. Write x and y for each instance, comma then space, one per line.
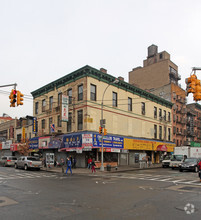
88, 71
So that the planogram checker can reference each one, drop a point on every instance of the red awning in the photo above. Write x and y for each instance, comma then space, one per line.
162, 148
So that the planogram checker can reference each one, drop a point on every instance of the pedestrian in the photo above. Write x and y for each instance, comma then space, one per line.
62, 165
69, 164
74, 162
199, 172
89, 163
93, 166
149, 161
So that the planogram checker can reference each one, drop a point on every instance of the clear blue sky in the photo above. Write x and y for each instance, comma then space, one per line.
42, 40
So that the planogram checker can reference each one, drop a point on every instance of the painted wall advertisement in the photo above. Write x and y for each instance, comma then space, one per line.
108, 141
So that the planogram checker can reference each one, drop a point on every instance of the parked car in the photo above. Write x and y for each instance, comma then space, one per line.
176, 160
8, 161
166, 161
28, 162
190, 164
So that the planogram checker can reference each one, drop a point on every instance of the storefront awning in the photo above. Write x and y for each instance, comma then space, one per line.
161, 148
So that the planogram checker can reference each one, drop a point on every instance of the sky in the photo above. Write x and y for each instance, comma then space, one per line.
43, 40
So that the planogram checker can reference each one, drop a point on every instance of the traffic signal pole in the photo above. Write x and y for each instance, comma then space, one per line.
15, 84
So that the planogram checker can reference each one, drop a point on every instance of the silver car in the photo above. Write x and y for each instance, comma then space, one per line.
28, 162
8, 161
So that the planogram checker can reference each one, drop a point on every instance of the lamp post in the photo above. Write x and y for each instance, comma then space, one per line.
101, 123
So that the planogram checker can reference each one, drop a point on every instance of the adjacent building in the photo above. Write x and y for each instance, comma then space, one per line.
159, 75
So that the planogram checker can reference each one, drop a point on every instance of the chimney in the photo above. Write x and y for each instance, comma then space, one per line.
103, 70
121, 78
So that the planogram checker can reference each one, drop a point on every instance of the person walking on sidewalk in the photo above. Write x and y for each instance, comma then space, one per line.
199, 172
69, 164
93, 166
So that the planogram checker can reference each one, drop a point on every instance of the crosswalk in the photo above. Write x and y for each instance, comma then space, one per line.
161, 178
25, 175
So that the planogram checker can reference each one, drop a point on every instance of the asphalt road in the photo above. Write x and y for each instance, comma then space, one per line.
143, 194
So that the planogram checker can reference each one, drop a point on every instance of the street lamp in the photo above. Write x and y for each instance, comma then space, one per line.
101, 123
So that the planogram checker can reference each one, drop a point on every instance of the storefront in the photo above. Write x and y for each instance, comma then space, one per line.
153, 149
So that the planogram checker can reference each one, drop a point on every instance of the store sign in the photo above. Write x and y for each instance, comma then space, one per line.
6, 145
34, 126
33, 143
108, 141
87, 141
64, 109
72, 141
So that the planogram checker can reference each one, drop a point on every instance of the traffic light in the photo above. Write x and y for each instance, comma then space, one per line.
100, 130
12, 98
105, 131
197, 94
19, 98
191, 84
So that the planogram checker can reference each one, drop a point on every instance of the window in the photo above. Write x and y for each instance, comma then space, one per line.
165, 132
51, 102
155, 131
160, 113
169, 117
114, 99
169, 134
59, 98
69, 94
50, 122
43, 124
143, 108
164, 112
155, 112
36, 108
43, 105
160, 132
93, 92
69, 123
58, 121
80, 92
130, 104
80, 119
161, 56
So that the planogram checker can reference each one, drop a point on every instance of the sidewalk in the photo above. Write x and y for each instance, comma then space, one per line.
88, 171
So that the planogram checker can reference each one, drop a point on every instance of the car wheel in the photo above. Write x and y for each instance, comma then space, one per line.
25, 167
180, 170
196, 169
16, 166
163, 166
172, 168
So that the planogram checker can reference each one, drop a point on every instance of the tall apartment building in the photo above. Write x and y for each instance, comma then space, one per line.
193, 125
132, 117
159, 75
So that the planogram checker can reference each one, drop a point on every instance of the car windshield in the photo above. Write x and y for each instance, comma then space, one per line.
191, 160
177, 157
33, 158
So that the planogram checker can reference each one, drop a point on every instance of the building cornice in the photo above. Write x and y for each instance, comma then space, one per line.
88, 71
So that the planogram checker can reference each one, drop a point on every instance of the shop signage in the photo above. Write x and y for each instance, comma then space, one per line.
64, 110
72, 141
33, 143
87, 141
142, 144
6, 145
108, 141
35, 126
